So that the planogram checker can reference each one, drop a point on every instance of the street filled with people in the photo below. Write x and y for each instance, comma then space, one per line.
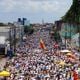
33, 62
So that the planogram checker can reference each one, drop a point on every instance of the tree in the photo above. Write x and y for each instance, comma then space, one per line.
55, 34
73, 13
57, 37
2, 24
28, 29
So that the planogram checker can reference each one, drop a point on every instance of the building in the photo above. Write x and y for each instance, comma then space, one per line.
4, 38
23, 21
58, 24
19, 32
4, 31
10, 35
68, 30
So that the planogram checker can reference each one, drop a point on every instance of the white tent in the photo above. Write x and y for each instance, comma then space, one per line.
65, 51
2, 40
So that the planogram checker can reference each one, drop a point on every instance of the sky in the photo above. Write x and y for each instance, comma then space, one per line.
33, 10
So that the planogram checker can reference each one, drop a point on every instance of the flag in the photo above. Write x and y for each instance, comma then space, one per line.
75, 75
42, 45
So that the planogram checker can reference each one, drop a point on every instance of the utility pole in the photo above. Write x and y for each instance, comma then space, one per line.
65, 35
10, 37
70, 34
14, 27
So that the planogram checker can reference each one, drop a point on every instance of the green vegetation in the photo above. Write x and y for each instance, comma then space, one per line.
28, 29
2, 24
73, 14
55, 34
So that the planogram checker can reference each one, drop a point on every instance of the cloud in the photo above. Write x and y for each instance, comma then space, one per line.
34, 10
32, 5
6, 5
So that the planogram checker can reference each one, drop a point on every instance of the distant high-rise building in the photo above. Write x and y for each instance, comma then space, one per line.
42, 21
19, 21
23, 21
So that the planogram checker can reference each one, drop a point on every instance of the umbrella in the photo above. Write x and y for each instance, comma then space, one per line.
69, 64
68, 54
72, 60
5, 73
62, 63
57, 62
71, 55
65, 51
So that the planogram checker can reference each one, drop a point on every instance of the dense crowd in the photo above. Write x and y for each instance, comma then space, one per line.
33, 63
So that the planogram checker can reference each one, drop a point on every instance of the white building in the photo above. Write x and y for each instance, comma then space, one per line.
4, 38
4, 31
10, 35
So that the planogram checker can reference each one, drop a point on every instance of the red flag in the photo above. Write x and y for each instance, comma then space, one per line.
75, 75
42, 45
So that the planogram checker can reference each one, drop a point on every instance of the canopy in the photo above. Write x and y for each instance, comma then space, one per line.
5, 73
65, 51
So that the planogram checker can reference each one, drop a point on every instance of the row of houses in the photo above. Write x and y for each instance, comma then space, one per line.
69, 33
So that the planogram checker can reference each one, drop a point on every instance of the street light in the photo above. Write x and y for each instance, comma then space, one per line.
65, 36
14, 39
10, 37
